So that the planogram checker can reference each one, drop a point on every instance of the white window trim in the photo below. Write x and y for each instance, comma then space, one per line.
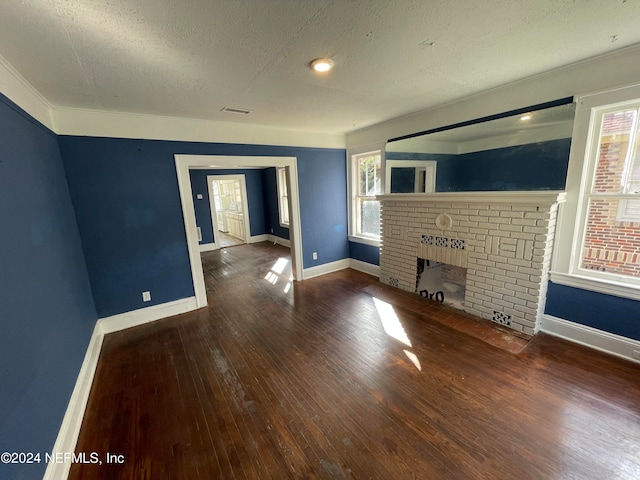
353, 189
570, 223
279, 190
621, 216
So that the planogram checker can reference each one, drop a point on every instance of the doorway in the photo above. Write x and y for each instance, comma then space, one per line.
185, 162
410, 176
229, 210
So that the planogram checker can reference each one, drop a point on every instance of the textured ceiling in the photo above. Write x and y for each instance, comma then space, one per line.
191, 58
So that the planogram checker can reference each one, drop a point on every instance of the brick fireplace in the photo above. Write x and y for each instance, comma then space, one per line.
503, 239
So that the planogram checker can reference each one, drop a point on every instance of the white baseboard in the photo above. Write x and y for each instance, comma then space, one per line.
146, 315
207, 247
365, 267
258, 238
590, 337
325, 268
279, 240
72, 421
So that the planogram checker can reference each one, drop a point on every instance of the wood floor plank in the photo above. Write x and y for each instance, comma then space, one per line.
343, 377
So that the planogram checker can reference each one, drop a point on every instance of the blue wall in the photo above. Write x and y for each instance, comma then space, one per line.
255, 200
598, 310
364, 253
46, 309
272, 216
126, 198
403, 180
127, 202
535, 166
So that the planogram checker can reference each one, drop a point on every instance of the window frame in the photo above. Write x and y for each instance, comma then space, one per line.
281, 185
623, 216
353, 177
572, 215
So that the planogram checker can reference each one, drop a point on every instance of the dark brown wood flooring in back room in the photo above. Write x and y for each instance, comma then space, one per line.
334, 378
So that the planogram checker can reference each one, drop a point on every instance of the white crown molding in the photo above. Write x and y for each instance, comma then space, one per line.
15, 87
603, 72
590, 337
95, 123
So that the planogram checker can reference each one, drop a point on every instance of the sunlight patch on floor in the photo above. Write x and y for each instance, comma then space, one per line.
391, 322
414, 359
278, 267
276, 271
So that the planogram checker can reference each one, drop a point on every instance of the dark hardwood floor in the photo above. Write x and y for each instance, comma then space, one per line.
334, 378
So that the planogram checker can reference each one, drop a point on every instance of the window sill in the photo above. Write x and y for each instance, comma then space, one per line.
374, 242
594, 285
284, 225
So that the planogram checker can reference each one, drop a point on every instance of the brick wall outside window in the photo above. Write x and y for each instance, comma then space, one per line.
611, 244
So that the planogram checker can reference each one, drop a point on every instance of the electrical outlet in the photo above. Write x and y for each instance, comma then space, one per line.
635, 354
146, 296
272, 230
199, 196
315, 255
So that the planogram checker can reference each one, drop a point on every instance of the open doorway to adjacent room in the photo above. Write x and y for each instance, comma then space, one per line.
186, 162
229, 212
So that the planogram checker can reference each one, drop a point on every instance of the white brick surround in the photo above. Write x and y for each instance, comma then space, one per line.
504, 239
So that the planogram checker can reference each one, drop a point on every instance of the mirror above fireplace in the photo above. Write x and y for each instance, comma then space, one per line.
525, 149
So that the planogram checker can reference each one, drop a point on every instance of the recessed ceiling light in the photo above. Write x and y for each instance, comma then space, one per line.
526, 117
322, 64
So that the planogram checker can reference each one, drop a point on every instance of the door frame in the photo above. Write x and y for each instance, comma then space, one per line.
212, 206
429, 166
185, 162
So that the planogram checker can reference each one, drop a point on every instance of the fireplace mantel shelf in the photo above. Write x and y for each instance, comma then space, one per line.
521, 197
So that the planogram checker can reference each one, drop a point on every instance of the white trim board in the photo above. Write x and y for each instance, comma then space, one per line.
72, 421
207, 247
16, 88
365, 267
279, 240
141, 316
596, 285
590, 337
185, 162
98, 123
325, 268
258, 238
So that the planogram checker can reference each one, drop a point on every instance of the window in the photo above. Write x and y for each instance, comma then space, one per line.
283, 197
610, 236
598, 236
366, 171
